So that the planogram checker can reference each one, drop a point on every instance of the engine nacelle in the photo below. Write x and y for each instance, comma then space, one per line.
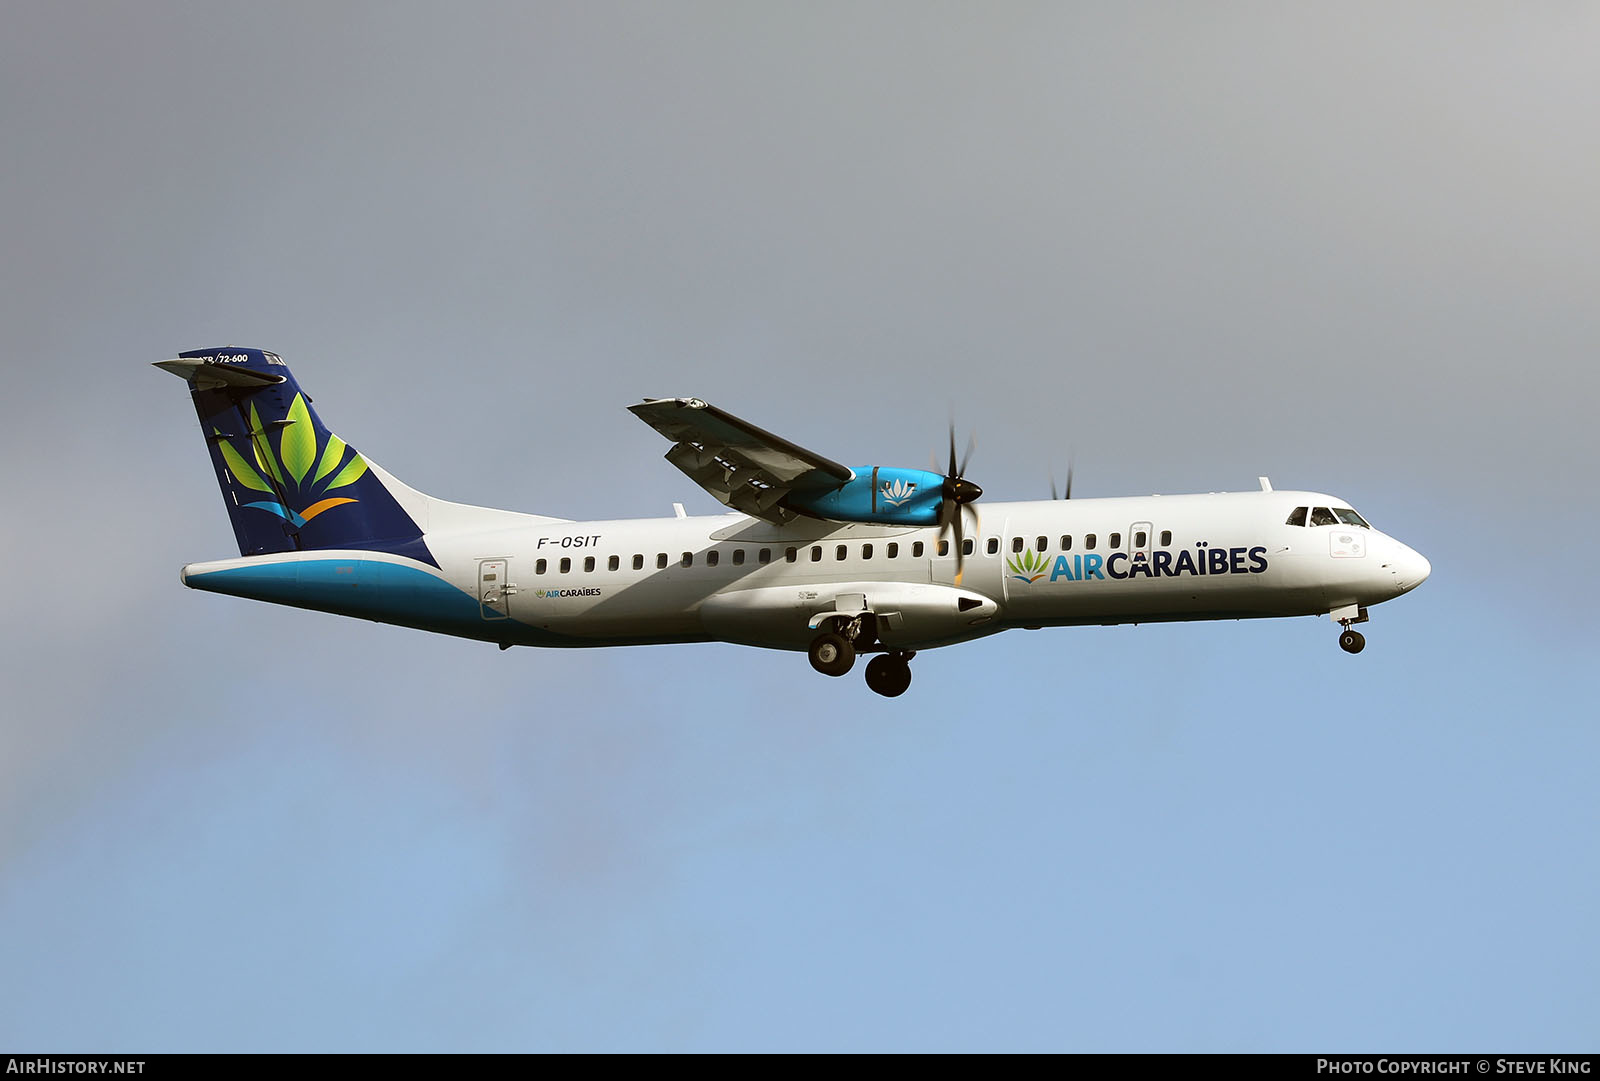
882, 495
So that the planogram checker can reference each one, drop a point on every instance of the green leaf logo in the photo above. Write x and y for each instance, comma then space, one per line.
300, 491
1028, 566
239, 467
263, 449
299, 440
330, 457
351, 472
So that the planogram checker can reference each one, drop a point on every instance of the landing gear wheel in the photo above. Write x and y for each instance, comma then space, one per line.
889, 675
1352, 641
832, 654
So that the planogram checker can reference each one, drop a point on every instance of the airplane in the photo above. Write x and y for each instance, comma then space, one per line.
812, 555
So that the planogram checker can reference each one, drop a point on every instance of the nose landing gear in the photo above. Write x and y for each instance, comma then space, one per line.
1351, 641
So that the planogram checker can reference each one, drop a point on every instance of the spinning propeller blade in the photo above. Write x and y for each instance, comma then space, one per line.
958, 491
1053, 493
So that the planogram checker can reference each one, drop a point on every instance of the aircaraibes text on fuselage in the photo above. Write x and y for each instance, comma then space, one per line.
1202, 560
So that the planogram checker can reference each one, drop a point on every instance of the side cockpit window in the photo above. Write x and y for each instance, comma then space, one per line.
1350, 517
1323, 516
1297, 517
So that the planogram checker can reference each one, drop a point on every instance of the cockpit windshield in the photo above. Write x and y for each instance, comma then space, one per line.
1326, 516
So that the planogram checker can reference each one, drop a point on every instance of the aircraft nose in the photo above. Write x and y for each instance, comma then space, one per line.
1411, 569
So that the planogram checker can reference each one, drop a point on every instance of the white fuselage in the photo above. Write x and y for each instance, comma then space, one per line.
543, 581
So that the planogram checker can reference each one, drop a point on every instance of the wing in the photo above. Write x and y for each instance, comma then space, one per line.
747, 468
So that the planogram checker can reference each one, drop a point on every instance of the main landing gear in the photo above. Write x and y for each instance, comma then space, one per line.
1352, 641
833, 653
890, 674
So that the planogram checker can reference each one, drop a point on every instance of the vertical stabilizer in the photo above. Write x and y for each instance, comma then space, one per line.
288, 482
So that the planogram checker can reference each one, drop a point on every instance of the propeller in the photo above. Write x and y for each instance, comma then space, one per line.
1068, 494
958, 491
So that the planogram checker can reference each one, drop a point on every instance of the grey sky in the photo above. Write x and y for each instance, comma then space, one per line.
1351, 248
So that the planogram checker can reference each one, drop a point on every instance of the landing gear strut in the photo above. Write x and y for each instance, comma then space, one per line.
890, 674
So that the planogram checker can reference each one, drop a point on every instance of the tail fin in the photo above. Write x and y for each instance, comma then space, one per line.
289, 484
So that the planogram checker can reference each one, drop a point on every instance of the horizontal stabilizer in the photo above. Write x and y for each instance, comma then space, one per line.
208, 375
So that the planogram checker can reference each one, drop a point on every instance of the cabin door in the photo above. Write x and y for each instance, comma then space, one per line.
494, 592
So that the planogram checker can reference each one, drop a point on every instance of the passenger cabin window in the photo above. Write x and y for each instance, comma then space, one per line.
566, 565
1323, 516
816, 553
588, 564
1016, 544
1116, 540
538, 568
638, 562
790, 555
966, 547
764, 556
686, 560
613, 563
944, 547
661, 561
1139, 538
866, 551
917, 549
712, 557
892, 550
1088, 542
738, 557
1166, 537
1297, 517
839, 551
1066, 543
993, 546
1041, 542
